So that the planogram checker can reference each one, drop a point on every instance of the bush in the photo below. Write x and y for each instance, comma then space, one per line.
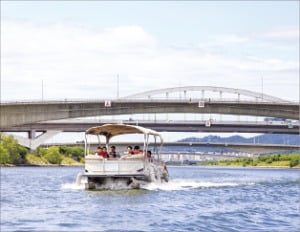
269, 160
295, 160
72, 152
16, 152
23, 151
53, 156
4, 155
41, 152
262, 158
82, 160
78, 151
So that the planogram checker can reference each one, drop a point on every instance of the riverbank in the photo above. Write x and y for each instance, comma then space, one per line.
82, 165
232, 166
241, 166
272, 161
32, 160
12, 154
42, 165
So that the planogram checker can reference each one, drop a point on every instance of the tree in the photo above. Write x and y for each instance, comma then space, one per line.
53, 156
41, 152
13, 148
294, 161
4, 155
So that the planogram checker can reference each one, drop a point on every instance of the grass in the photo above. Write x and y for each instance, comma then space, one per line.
275, 163
32, 159
69, 161
35, 160
277, 160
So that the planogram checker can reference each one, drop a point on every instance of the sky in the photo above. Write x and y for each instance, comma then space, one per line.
76, 49
79, 49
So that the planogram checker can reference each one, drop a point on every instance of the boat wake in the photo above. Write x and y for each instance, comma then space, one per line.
186, 184
172, 185
73, 186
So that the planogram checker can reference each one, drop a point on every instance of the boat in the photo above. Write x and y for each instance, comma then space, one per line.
125, 170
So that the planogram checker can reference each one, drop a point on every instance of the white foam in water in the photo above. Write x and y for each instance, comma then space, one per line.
185, 184
108, 185
72, 186
176, 184
113, 185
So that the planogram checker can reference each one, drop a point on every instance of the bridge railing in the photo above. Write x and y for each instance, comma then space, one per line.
175, 100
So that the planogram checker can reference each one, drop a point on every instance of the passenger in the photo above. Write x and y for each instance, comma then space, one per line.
99, 151
104, 153
113, 153
129, 150
166, 169
136, 150
149, 156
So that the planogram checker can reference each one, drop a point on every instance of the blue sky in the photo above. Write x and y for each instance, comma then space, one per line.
173, 22
77, 48
252, 39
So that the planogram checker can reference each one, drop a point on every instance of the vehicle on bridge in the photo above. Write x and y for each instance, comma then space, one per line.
124, 171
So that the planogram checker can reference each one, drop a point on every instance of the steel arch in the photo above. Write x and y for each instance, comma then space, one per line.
242, 92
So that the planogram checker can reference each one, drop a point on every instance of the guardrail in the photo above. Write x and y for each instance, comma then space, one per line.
175, 100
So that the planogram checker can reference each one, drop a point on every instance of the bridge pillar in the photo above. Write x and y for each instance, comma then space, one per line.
33, 142
202, 97
184, 93
167, 95
238, 98
31, 134
202, 94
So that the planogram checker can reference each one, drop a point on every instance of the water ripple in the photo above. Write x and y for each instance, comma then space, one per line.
195, 199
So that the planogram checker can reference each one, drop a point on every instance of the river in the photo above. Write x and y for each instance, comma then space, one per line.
195, 199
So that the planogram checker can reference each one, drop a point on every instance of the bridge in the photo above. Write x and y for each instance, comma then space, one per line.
253, 148
51, 128
26, 113
32, 117
202, 156
19, 113
280, 127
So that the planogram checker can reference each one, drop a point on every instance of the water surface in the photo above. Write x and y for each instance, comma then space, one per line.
195, 199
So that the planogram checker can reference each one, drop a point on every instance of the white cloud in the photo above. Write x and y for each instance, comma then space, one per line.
232, 38
281, 34
81, 62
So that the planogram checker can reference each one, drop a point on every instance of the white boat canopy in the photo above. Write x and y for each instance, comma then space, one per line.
110, 130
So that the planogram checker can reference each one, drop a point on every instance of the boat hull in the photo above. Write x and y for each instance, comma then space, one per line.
101, 174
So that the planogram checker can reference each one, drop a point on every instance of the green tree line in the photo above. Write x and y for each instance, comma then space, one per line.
291, 160
13, 153
10, 151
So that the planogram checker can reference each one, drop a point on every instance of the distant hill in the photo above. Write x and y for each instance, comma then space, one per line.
266, 138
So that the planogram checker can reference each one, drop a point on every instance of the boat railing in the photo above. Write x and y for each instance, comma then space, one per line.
98, 165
